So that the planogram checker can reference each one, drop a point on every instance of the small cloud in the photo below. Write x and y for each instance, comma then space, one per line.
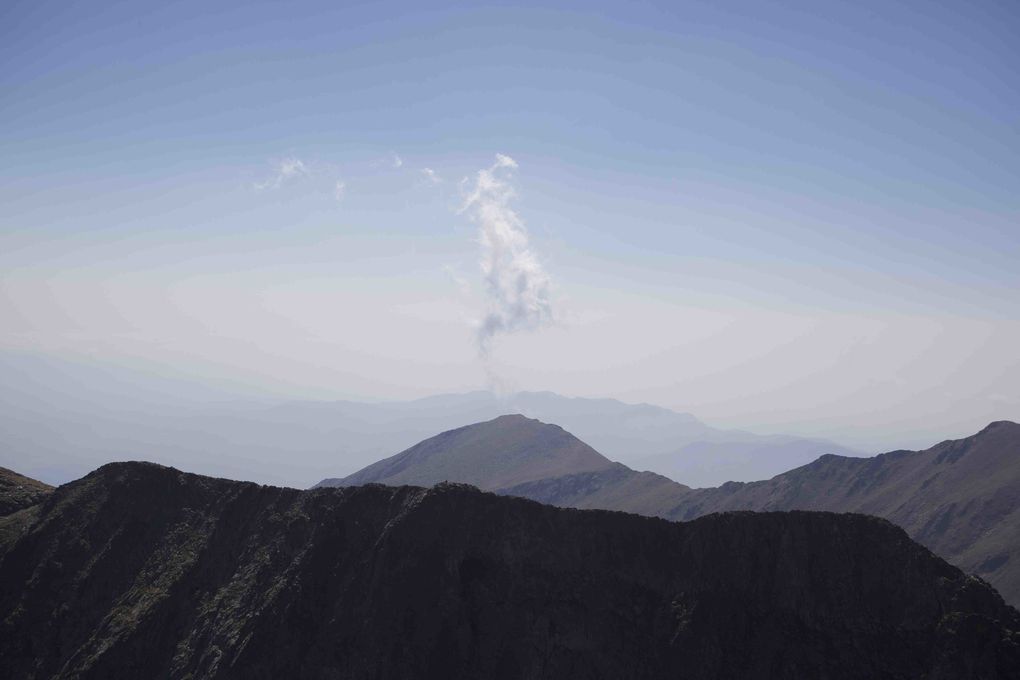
397, 161
340, 190
503, 161
286, 170
431, 176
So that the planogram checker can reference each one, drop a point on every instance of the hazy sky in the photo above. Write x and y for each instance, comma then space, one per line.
799, 217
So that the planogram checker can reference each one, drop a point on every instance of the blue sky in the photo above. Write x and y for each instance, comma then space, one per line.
782, 215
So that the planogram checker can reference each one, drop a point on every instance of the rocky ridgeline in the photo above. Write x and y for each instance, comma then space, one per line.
140, 571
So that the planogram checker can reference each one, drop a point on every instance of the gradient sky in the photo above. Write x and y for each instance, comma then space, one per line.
799, 217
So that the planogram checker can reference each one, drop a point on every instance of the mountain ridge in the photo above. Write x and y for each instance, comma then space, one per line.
138, 570
960, 498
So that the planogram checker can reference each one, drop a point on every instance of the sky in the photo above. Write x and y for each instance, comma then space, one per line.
789, 217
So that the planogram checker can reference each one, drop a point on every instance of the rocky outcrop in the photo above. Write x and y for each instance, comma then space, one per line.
18, 492
140, 571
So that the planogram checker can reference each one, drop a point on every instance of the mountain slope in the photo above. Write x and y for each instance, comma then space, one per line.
143, 571
18, 491
519, 456
961, 498
502, 452
613, 488
706, 463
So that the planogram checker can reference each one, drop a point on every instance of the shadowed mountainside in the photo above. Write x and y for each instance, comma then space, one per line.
142, 571
18, 491
960, 498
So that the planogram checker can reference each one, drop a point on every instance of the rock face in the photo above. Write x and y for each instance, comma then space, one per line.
18, 491
140, 571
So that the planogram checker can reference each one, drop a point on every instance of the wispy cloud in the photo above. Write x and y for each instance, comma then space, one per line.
393, 160
340, 190
462, 283
431, 175
286, 170
517, 286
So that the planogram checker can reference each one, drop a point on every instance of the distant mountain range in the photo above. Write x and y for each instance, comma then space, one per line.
58, 420
141, 571
960, 498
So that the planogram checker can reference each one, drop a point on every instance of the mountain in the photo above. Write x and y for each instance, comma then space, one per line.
960, 498
503, 452
18, 491
141, 571
517, 456
60, 419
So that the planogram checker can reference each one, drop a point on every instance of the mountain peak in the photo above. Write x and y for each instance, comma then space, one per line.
515, 418
505, 451
998, 425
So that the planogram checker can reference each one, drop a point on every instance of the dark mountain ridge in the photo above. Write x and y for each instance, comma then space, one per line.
961, 498
139, 571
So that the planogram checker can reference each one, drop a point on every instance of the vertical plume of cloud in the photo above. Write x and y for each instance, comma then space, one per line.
517, 287
287, 169
340, 190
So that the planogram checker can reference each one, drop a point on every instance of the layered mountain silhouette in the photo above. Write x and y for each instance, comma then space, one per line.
61, 419
141, 571
960, 498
